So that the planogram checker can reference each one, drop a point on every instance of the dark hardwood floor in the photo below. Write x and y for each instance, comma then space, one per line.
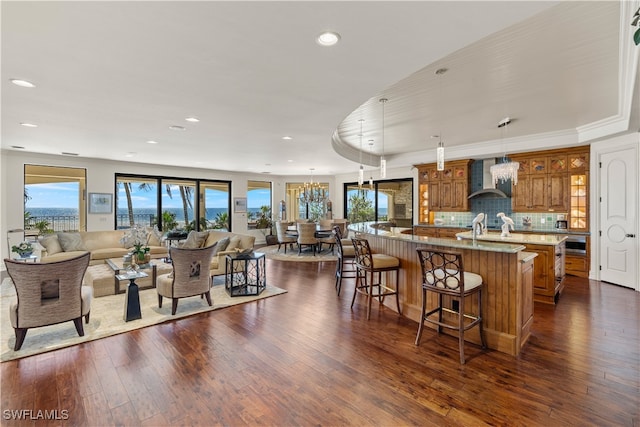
307, 358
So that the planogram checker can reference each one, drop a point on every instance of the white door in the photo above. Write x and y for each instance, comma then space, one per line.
618, 240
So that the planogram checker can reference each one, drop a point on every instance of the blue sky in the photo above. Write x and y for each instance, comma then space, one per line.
65, 195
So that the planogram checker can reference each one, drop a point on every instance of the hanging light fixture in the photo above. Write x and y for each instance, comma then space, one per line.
440, 148
506, 170
312, 192
370, 161
383, 161
361, 170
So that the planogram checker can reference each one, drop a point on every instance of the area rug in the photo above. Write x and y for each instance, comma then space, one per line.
106, 318
271, 252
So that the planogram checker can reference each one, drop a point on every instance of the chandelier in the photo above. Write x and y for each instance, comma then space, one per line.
312, 192
502, 172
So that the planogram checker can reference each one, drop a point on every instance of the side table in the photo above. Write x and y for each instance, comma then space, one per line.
245, 274
132, 297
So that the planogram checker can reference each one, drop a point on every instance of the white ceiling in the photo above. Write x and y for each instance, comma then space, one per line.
112, 75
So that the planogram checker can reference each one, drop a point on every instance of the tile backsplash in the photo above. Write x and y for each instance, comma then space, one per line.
491, 209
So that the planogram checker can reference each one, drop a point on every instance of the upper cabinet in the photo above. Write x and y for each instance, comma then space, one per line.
445, 190
554, 181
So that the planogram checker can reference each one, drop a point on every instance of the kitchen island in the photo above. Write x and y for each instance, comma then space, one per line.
507, 270
549, 266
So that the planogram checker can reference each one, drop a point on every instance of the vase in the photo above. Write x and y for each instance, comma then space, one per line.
25, 254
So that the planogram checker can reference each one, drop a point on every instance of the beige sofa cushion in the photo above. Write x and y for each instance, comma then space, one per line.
102, 239
195, 239
71, 242
51, 244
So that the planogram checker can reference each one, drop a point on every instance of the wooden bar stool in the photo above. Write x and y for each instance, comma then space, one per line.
368, 265
346, 258
443, 273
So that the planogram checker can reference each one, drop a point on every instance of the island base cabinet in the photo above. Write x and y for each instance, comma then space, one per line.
507, 296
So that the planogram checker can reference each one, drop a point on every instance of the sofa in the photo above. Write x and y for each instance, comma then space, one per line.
107, 244
101, 244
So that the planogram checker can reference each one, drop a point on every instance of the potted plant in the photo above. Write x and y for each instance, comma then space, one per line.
24, 249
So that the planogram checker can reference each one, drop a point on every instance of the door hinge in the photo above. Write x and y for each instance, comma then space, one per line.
600, 233
600, 267
600, 165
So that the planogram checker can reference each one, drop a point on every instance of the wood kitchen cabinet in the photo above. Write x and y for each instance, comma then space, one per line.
548, 272
544, 181
445, 190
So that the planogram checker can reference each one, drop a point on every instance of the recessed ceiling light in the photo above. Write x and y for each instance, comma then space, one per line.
18, 147
66, 153
176, 127
130, 154
192, 119
29, 125
152, 142
22, 83
328, 38
287, 138
290, 161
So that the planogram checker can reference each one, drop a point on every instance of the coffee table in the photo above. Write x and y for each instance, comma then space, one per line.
154, 267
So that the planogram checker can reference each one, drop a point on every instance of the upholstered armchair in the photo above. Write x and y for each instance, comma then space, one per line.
283, 238
48, 293
190, 276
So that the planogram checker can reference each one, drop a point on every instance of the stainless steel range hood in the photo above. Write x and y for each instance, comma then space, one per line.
489, 190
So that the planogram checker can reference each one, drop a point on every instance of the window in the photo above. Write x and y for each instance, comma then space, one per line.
136, 201
390, 200
259, 213
172, 203
313, 206
54, 199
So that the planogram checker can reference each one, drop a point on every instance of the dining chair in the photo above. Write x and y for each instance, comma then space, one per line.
307, 236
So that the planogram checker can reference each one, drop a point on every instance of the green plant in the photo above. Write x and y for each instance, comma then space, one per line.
263, 218
43, 227
22, 248
139, 251
221, 221
360, 208
169, 221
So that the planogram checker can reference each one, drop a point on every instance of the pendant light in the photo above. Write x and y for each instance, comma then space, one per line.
440, 148
370, 161
361, 170
506, 170
383, 161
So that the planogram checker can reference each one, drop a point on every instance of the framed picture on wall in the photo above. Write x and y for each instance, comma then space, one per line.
100, 203
239, 204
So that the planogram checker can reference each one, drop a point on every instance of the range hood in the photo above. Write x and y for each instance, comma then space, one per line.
489, 190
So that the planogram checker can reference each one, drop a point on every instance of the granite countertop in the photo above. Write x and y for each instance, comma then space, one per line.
533, 239
396, 233
517, 229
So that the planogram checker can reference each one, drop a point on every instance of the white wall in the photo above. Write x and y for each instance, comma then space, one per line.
101, 179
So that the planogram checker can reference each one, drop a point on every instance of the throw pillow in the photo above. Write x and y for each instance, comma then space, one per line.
51, 244
221, 245
154, 237
71, 242
195, 239
233, 243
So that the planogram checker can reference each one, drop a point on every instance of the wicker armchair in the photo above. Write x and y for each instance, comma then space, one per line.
190, 276
48, 294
